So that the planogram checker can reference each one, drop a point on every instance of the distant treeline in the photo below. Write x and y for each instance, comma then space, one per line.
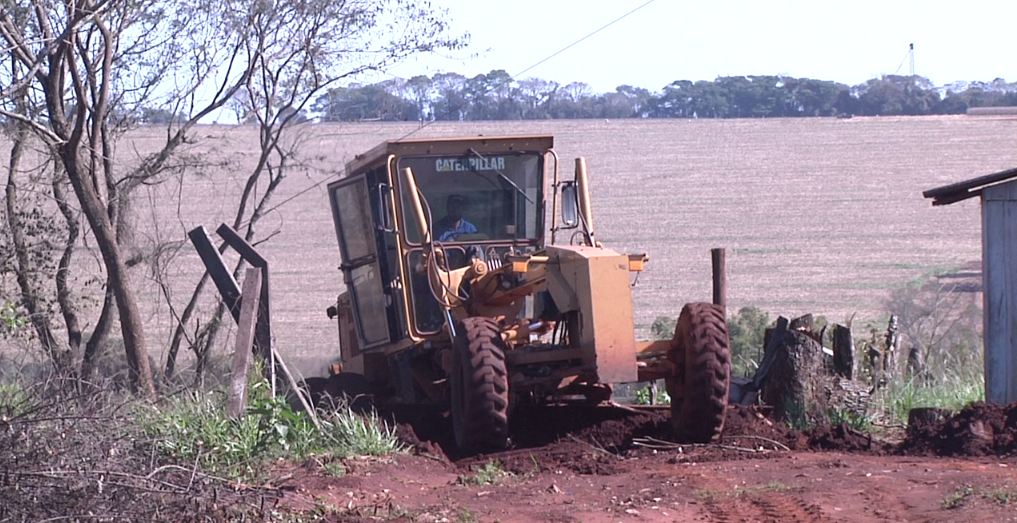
496, 96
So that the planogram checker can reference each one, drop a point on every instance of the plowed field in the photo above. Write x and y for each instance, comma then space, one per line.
819, 216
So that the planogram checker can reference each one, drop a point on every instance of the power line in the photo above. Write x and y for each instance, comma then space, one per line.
552, 55
489, 89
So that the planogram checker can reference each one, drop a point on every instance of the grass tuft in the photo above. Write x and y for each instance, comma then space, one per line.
491, 473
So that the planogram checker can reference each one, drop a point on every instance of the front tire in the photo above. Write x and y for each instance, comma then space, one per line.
479, 383
702, 346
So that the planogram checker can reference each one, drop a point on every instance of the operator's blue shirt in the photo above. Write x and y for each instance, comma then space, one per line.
451, 231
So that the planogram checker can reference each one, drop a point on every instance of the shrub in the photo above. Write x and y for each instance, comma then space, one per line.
643, 395
11, 319
747, 330
663, 327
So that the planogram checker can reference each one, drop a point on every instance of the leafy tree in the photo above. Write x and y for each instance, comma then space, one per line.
746, 331
421, 88
451, 103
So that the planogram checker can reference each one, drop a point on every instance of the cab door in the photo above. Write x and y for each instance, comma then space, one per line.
356, 230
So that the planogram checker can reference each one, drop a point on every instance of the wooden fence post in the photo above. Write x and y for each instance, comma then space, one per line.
718, 257
843, 352
249, 297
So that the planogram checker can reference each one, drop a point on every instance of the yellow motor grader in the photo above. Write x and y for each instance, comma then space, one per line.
459, 293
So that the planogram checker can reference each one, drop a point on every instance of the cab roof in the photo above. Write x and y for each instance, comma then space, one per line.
438, 146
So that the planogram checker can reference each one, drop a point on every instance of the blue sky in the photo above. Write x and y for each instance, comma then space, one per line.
667, 40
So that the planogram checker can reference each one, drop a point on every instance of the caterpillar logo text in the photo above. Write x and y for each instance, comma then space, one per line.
469, 164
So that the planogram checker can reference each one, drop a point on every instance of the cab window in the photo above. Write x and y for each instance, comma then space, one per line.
477, 197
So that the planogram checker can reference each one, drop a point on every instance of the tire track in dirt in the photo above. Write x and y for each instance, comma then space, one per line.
769, 507
886, 506
779, 507
730, 510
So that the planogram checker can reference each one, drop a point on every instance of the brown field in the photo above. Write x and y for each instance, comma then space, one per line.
818, 215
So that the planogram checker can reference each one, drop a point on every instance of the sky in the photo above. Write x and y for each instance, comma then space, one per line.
668, 40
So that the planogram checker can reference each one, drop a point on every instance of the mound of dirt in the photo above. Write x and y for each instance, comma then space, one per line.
838, 437
980, 429
749, 420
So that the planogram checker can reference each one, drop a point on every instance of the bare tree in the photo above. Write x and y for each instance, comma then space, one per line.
95, 65
302, 49
941, 321
89, 62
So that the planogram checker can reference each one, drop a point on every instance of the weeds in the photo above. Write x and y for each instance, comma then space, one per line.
334, 469
1004, 495
14, 400
196, 429
360, 435
899, 396
853, 420
644, 395
491, 473
957, 497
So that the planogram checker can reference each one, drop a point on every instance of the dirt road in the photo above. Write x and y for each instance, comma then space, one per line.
671, 486
605, 469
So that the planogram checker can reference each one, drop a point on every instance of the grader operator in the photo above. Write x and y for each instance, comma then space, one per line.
458, 292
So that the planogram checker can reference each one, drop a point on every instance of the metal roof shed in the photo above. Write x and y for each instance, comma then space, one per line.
998, 192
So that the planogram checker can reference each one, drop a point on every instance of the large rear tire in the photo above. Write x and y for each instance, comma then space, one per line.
704, 354
479, 381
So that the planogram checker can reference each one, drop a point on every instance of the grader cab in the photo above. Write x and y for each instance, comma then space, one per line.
458, 292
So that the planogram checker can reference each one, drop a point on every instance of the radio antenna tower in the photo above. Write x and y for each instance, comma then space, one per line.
909, 56
911, 51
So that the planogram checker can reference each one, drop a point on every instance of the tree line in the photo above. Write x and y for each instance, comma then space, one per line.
497, 96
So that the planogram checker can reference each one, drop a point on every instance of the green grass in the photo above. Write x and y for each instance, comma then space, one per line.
194, 428
900, 396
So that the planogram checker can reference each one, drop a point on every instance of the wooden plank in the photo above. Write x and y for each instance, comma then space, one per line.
237, 398
997, 313
718, 258
263, 329
1008, 345
843, 352
239, 244
216, 267
770, 352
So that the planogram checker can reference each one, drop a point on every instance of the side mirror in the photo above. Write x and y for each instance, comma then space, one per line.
384, 210
569, 205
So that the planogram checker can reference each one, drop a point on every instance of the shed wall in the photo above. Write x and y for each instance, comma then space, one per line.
999, 265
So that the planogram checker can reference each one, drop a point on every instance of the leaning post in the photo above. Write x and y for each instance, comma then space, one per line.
242, 354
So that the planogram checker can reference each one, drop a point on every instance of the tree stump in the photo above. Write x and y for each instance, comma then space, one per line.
794, 385
926, 419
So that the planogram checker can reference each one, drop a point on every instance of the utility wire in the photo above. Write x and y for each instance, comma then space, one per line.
489, 89
552, 55
906, 55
